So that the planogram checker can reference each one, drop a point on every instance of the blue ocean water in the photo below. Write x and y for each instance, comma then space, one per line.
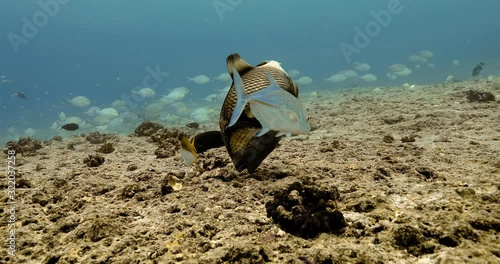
53, 50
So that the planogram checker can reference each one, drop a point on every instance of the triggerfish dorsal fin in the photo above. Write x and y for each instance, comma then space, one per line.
272, 81
235, 61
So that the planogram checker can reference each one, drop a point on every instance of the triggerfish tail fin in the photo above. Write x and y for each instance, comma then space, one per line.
187, 150
241, 96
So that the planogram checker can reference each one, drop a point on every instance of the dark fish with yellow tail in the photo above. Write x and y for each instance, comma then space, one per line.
247, 151
70, 126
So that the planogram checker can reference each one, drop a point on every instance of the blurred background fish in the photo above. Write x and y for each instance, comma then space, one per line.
19, 95
477, 69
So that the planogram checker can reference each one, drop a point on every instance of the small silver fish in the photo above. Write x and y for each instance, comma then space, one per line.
275, 109
5, 81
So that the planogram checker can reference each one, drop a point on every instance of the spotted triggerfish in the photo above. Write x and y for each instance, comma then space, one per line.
247, 151
275, 108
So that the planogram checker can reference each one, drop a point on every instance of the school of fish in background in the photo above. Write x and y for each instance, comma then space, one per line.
179, 106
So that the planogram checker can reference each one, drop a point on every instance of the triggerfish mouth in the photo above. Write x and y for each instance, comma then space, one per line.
254, 130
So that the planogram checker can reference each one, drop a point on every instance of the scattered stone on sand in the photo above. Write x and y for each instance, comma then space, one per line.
477, 96
106, 148
382, 173
131, 167
465, 192
25, 145
393, 120
306, 210
170, 183
93, 160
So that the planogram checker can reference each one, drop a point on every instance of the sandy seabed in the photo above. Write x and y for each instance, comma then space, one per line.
417, 172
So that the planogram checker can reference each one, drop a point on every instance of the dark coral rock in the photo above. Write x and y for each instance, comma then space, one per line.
476, 96
101, 228
211, 163
486, 224
331, 146
237, 254
106, 148
163, 152
408, 139
165, 138
59, 182
454, 238
130, 191
57, 138
428, 173
411, 239
25, 145
23, 183
98, 138
407, 236
306, 210
147, 128
388, 139
449, 241
364, 206
93, 160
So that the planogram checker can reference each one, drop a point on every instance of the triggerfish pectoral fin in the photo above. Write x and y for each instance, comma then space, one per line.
241, 96
263, 131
